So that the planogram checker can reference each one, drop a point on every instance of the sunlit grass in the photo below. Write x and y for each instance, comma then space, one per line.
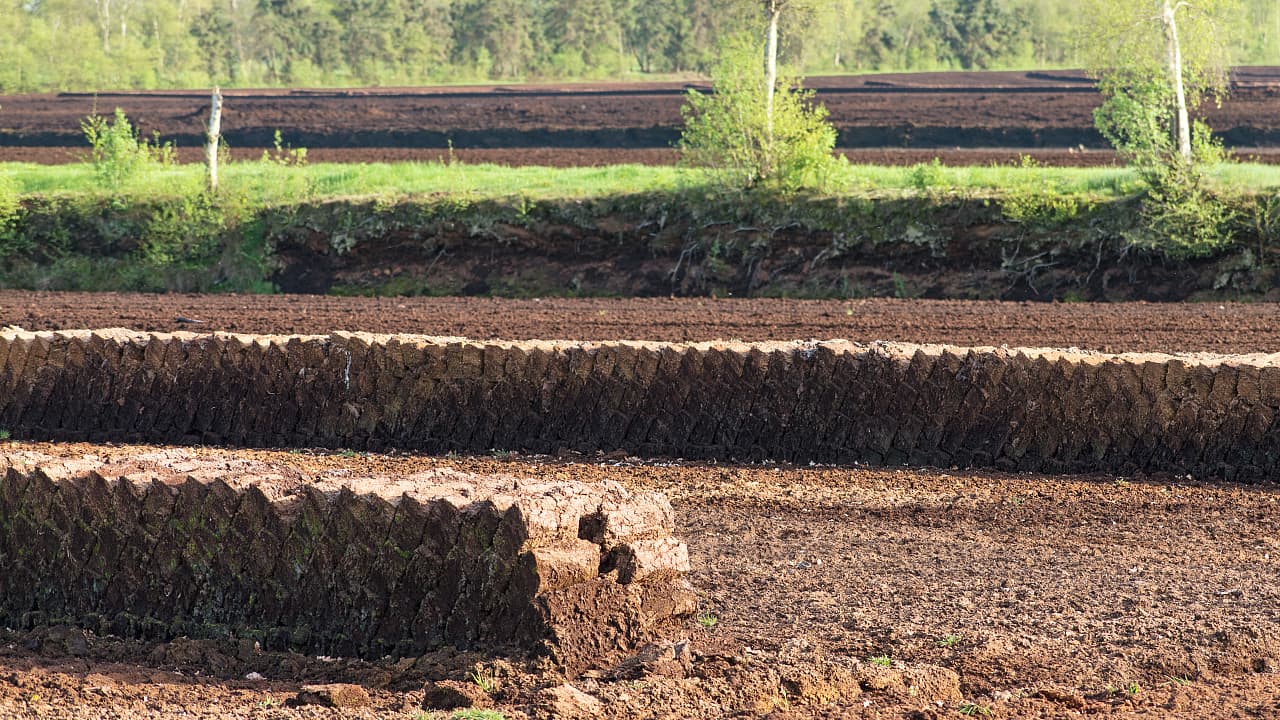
267, 182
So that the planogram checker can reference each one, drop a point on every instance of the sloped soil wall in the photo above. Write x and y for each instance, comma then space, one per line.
829, 402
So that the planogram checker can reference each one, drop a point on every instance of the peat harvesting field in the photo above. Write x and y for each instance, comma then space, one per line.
962, 118
813, 590
671, 498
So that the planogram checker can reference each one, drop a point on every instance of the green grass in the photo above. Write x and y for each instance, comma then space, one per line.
266, 182
261, 180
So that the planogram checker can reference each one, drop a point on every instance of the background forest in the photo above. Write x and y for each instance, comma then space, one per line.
93, 45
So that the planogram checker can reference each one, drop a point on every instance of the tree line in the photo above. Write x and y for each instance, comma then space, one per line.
142, 44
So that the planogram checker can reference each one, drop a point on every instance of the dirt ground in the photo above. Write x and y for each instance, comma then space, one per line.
1148, 327
988, 595
1007, 596
897, 119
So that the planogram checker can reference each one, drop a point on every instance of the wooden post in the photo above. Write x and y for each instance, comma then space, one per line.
211, 137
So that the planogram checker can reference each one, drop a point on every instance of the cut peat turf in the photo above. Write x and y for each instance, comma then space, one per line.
1027, 595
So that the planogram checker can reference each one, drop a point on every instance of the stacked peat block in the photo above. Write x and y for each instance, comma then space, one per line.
832, 402
167, 544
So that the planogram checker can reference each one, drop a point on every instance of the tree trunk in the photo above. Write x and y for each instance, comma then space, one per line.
104, 22
771, 68
211, 146
1173, 59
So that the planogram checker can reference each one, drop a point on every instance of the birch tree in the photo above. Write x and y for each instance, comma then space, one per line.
751, 138
1157, 61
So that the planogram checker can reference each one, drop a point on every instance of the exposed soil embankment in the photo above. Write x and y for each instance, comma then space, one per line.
1023, 245
1035, 410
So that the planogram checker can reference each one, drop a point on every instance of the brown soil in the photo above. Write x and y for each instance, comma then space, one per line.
1050, 597
1003, 114
1122, 327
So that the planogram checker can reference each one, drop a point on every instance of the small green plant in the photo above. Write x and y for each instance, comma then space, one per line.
948, 641
4, 435
708, 620
348, 453
485, 680
475, 714
117, 153
283, 154
1176, 680
881, 660
974, 710
927, 176
501, 454
1133, 688
267, 703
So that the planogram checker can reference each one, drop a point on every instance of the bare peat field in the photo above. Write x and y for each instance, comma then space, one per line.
820, 591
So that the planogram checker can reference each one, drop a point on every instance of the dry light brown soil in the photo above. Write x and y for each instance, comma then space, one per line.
1049, 597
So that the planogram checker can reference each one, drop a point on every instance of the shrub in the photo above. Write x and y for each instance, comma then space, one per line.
117, 153
9, 208
1183, 218
727, 131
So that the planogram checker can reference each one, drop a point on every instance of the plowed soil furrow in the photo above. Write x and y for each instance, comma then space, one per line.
1208, 327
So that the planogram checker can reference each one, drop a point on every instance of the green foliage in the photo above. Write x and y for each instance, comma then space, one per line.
9, 207
282, 154
1130, 54
1124, 45
1182, 216
183, 240
948, 641
485, 680
1043, 205
927, 176
118, 154
1138, 121
199, 43
728, 131
476, 714
978, 31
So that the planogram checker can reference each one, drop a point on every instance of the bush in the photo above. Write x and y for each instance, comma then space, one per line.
1183, 218
118, 154
727, 131
9, 208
